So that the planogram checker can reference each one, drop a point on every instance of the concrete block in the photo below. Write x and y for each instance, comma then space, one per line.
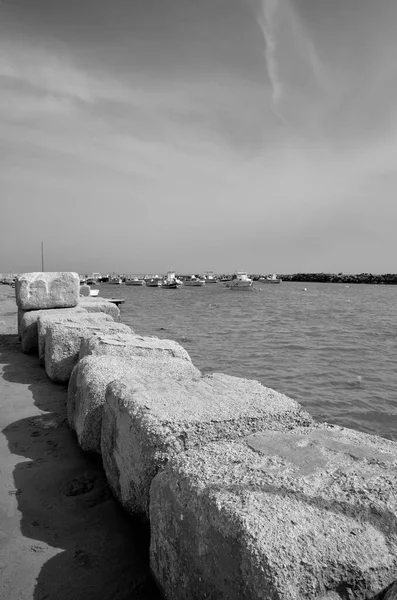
130, 344
85, 290
35, 291
93, 305
88, 383
28, 325
148, 420
45, 321
306, 514
63, 339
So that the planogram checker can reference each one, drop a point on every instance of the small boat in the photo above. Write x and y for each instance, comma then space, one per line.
153, 282
240, 281
116, 280
270, 279
209, 277
194, 281
134, 281
170, 281
94, 292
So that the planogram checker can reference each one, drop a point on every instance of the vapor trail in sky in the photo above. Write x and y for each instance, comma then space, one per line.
266, 23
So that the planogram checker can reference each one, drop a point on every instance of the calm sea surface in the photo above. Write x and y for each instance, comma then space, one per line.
332, 347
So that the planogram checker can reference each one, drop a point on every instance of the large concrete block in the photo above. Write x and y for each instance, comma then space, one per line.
92, 305
147, 421
35, 291
127, 345
88, 382
63, 339
296, 515
28, 324
45, 321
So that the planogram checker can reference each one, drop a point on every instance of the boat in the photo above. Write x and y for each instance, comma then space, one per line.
134, 281
193, 281
240, 281
170, 281
153, 282
94, 292
116, 280
270, 279
209, 277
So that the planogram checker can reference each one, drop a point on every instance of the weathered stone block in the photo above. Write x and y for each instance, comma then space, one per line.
63, 339
87, 389
129, 344
85, 290
308, 514
45, 321
93, 305
35, 291
28, 325
148, 419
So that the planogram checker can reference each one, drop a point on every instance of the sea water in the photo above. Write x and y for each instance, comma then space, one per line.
331, 347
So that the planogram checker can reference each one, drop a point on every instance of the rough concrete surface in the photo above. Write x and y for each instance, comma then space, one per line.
278, 515
96, 304
63, 339
148, 419
45, 321
35, 291
62, 535
28, 325
86, 396
130, 344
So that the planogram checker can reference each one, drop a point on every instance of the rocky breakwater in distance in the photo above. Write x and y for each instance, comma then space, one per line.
247, 497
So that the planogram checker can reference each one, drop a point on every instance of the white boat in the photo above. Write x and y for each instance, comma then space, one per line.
94, 292
194, 281
153, 282
240, 281
170, 281
116, 280
270, 279
209, 277
134, 281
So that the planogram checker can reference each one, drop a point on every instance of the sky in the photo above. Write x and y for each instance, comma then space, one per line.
138, 136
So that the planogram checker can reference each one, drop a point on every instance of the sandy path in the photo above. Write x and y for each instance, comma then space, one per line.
62, 535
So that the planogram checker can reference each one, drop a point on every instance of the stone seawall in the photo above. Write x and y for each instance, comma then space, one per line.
247, 497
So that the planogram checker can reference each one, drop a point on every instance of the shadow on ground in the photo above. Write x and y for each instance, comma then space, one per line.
98, 552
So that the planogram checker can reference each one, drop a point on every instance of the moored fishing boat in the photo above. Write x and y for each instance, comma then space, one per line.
153, 282
209, 277
134, 281
269, 279
193, 281
170, 281
240, 281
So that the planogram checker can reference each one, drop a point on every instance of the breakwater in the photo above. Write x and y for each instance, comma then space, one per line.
246, 496
384, 279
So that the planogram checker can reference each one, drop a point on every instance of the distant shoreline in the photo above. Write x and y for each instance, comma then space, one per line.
386, 279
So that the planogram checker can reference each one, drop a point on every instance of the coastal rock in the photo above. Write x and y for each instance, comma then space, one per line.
92, 305
63, 339
88, 382
161, 412
127, 345
310, 513
28, 325
35, 291
44, 321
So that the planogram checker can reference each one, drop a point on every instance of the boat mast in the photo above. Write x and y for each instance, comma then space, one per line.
42, 257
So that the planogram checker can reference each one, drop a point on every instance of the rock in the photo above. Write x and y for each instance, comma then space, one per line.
93, 305
85, 290
87, 389
289, 515
63, 339
151, 416
45, 321
35, 291
28, 325
129, 344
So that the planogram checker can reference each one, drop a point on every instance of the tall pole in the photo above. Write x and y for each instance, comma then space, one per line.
42, 257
